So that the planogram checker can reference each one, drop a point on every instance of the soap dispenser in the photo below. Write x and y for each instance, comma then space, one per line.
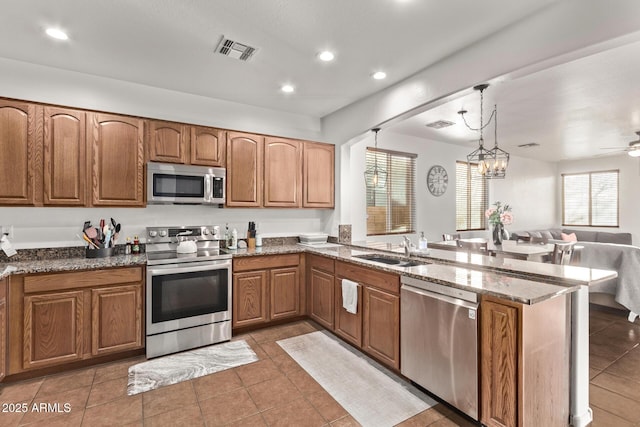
422, 243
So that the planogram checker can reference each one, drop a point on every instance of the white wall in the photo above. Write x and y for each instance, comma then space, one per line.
53, 227
629, 182
530, 188
47, 227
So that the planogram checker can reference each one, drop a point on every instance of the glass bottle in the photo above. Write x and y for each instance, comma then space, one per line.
422, 243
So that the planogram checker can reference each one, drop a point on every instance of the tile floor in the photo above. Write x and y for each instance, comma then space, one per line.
275, 391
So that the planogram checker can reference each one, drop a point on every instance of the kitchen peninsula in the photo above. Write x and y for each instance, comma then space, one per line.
514, 296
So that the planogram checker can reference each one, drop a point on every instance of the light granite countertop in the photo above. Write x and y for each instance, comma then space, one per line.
525, 282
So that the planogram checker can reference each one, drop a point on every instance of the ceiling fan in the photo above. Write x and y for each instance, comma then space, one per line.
633, 149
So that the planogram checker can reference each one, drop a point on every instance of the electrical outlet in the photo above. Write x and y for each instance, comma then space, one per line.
7, 230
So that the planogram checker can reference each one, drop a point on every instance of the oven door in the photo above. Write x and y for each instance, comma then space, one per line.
185, 295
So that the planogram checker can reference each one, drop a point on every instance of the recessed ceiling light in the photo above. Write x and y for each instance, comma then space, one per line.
287, 88
379, 75
57, 33
326, 56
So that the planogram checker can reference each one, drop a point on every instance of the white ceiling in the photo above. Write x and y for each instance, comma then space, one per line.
170, 44
571, 110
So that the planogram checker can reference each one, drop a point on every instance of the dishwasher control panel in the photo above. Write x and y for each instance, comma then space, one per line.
440, 289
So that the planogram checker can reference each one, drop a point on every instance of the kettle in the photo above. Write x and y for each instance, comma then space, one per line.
186, 246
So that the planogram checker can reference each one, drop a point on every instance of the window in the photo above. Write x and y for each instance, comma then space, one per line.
392, 209
471, 197
590, 199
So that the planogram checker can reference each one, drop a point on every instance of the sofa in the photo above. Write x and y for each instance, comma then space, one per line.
581, 235
607, 251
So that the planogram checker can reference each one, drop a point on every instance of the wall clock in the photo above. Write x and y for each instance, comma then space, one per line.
437, 180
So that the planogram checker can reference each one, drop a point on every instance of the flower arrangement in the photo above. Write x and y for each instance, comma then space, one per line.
500, 214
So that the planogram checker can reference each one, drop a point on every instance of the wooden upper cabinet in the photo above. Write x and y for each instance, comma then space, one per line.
167, 141
244, 169
65, 164
117, 160
282, 172
20, 154
318, 175
207, 146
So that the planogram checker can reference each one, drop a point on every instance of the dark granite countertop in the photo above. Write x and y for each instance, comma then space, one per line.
524, 282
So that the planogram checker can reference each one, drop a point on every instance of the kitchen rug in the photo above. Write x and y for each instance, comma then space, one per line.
187, 365
372, 394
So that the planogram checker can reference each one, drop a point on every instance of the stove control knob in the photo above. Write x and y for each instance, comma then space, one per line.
205, 231
153, 233
163, 233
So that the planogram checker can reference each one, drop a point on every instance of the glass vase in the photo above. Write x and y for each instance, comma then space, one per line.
499, 234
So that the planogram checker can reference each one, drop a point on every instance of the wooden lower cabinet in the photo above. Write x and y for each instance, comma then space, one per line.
285, 292
321, 293
53, 329
348, 325
381, 330
250, 298
57, 318
266, 289
524, 362
116, 319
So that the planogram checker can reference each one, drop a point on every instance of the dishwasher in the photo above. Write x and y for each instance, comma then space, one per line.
439, 341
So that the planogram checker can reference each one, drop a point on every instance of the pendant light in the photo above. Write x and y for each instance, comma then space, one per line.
375, 175
491, 163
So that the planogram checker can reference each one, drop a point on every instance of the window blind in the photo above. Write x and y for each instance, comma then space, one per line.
590, 199
392, 209
471, 197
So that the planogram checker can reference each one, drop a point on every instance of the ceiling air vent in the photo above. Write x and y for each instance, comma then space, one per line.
234, 49
529, 145
439, 124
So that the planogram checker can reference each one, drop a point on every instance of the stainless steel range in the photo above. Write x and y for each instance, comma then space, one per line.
188, 289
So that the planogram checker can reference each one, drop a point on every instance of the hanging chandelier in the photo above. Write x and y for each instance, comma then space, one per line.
492, 164
375, 175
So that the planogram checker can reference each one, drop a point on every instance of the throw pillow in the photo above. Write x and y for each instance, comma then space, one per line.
569, 237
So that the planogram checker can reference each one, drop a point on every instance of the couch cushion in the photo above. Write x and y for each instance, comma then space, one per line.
535, 234
546, 234
620, 238
583, 235
555, 233
569, 237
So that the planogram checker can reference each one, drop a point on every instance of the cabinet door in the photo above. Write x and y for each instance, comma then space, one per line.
207, 146
167, 142
65, 161
244, 169
282, 173
116, 319
382, 326
117, 160
348, 325
322, 298
285, 292
18, 148
318, 175
499, 364
3, 328
250, 298
53, 327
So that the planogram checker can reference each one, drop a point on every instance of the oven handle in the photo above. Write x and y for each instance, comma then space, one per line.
162, 271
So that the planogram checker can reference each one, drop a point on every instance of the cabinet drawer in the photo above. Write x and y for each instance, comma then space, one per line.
321, 263
81, 279
386, 281
264, 262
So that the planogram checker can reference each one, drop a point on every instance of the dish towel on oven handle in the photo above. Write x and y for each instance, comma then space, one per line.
350, 296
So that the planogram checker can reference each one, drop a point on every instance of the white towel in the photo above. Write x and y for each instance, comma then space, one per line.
350, 296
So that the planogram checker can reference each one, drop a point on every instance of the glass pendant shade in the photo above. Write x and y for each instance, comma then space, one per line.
375, 175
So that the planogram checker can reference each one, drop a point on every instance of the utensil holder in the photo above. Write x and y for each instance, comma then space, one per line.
100, 253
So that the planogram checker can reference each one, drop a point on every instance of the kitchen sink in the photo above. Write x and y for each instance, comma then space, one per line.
383, 259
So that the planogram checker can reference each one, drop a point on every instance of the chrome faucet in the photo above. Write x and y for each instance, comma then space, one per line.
408, 245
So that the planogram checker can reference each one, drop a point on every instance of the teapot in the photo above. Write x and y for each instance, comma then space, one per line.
186, 246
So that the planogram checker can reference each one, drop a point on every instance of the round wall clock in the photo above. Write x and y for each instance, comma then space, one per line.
437, 180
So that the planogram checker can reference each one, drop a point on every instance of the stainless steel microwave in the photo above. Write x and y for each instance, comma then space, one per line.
185, 184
